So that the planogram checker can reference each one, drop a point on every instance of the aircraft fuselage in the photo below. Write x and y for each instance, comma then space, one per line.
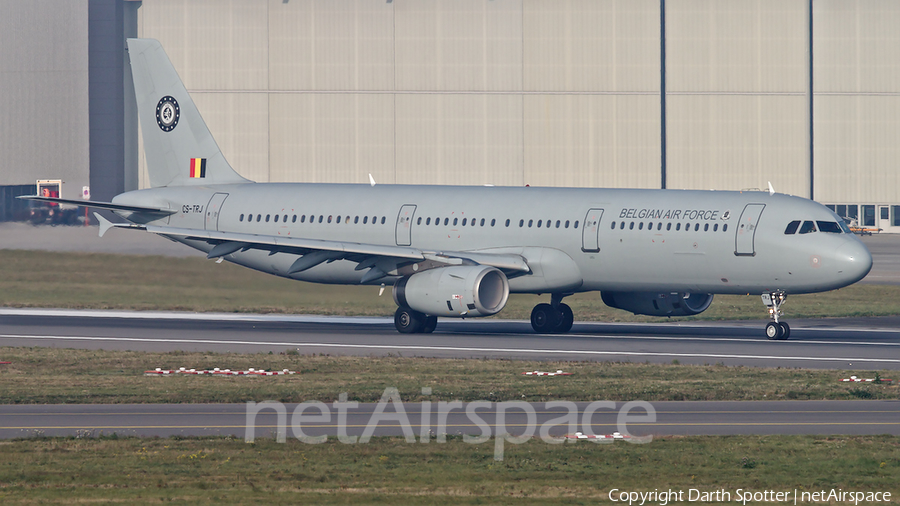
572, 239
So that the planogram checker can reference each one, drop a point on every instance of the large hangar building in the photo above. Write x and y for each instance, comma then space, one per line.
679, 94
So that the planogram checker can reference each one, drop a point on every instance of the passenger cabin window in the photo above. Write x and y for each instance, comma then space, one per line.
807, 227
241, 218
792, 227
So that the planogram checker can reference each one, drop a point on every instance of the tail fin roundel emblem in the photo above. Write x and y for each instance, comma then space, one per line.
167, 113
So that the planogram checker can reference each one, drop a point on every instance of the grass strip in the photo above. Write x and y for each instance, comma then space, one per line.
391, 471
53, 376
102, 281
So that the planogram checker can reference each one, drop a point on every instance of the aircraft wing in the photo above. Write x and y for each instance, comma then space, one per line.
99, 205
381, 260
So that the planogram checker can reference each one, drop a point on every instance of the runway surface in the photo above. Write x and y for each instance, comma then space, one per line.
855, 344
660, 418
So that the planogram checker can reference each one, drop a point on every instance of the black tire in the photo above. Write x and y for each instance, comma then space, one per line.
430, 324
544, 319
566, 319
408, 321
774, 331
785, 331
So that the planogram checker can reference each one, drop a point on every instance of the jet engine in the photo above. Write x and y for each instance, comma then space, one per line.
658, 304
460, 291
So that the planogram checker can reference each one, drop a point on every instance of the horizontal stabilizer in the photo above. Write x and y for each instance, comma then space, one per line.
99, 205
105, 225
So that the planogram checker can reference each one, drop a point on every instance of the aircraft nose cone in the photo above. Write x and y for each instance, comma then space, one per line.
854, 260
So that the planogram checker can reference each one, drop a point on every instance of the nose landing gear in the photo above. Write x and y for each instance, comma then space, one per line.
776, 330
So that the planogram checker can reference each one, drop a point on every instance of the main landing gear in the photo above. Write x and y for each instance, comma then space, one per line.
553, 318
776, 330
409, 321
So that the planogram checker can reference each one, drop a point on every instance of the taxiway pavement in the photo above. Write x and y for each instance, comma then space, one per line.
655, 419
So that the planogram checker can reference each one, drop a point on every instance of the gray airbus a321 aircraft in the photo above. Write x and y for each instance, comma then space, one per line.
459, 251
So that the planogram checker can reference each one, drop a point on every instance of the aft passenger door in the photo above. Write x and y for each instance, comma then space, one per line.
590, 232
213, 209
746, 230
403, 232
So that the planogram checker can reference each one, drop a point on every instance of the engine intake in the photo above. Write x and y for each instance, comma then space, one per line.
460, 291
658, 304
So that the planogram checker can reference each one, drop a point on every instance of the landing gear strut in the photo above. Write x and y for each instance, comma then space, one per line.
409, 321
776, 330
553, 318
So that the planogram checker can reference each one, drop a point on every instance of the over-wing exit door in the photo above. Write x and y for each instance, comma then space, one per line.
590, 231
403, 232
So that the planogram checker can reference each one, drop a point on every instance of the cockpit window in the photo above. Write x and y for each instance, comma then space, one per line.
792, 227
829, 226
807, 227
844, 227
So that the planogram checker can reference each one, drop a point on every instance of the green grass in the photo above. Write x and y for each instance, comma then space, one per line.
391, 471
52, 376
98, 281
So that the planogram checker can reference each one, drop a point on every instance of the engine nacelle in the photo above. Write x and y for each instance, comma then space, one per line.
460, 291
658, 304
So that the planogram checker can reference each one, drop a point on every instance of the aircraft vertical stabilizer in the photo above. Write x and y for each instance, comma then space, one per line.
179, 147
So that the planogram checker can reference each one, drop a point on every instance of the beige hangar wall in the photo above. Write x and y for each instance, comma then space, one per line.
736, 94
857, 101
507, 92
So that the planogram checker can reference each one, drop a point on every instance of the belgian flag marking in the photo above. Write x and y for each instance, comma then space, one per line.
198, 167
